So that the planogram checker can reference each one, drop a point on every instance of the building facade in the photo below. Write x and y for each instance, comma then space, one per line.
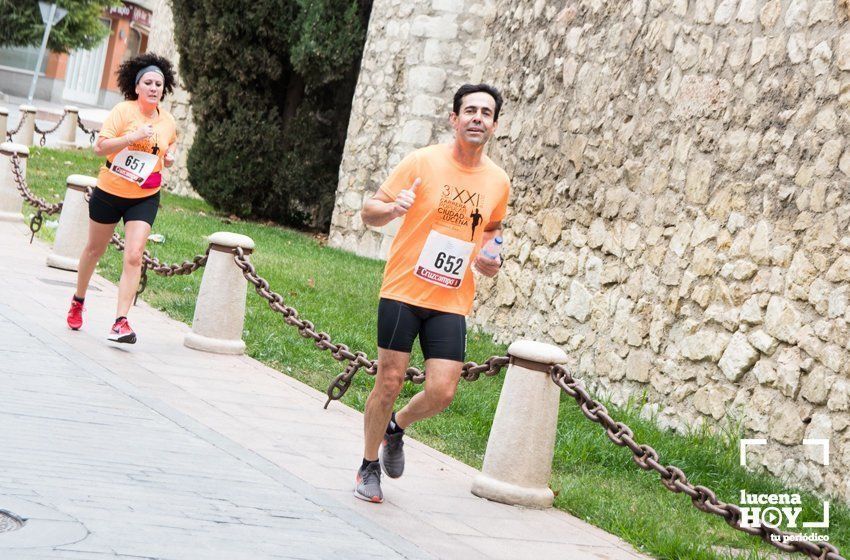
82, 77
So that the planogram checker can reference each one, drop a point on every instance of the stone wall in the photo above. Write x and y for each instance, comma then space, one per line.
161, 41
417, 54
680, 207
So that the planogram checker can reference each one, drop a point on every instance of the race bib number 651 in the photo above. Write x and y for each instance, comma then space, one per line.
134, 165
443, 260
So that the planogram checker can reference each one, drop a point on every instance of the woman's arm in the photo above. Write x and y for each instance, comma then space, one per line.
107, 146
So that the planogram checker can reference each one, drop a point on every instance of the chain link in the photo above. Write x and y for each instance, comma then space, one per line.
151, 263
644, 456
44, 133
43, 208
673, 478
355, 361
91, 132
10, 133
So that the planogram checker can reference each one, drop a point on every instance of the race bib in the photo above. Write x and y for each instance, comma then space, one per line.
134, 166
443, 260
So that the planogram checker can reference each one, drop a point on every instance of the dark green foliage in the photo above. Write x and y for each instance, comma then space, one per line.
271, 84
21, 25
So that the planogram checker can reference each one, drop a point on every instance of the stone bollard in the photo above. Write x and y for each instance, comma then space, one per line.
73, 230
518, 461
220, 309
11, 201
4, 123
68, 130
26, 135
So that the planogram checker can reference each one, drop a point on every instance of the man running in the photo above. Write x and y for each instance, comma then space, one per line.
427, 288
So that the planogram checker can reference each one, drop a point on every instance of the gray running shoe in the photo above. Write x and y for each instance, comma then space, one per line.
368, 487
391, 455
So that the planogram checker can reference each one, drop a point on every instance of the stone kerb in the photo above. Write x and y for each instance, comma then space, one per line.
11, 202
220, 310
518, 460
72, 233
4, 122
68, 129
26, 134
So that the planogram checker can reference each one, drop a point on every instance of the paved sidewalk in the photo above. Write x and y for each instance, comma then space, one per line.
157, 451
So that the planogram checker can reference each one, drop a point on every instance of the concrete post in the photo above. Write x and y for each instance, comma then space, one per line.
26, 135
220, 309
11, 201
4, 123
73, 230
518, 461
68, 130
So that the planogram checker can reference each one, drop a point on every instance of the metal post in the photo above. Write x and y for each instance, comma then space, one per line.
50, 15
47, 28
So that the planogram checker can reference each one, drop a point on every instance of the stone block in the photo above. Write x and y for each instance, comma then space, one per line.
578, 306
747, 11
428, 79
638, 366
842, 52
725, 12
417, 133
698, 181
815, 386
738, 357
781, 320
797, 14
786, 423
441, 27
704, 345
840, 270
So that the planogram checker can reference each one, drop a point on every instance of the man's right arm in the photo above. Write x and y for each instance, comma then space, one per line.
381, 209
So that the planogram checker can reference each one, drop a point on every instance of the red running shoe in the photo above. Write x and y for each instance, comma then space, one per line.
121, 332
75, 315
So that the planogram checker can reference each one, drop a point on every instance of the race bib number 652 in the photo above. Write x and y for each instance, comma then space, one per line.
443, 260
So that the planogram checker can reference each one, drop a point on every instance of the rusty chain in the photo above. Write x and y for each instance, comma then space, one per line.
644, 456
152, 263
673, 478
355, 361
44, 133
149, 262
10, 133
91, 132
41, 206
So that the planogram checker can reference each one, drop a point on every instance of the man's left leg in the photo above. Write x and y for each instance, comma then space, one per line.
440, 387
443, 340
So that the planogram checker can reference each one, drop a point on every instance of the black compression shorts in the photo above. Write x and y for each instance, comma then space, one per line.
441, 335
106, 208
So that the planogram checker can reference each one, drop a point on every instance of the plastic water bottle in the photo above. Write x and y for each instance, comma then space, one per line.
493, 248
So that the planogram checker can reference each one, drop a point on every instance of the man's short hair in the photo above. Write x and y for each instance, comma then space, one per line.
466, 89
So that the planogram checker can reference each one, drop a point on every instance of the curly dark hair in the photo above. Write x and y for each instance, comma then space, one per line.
130, 67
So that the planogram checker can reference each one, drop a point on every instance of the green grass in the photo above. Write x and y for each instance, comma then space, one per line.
593, 479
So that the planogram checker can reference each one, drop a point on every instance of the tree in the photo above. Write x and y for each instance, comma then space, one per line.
271, 84
21, 25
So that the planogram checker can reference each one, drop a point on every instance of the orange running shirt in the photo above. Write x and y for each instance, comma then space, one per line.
429, 264
123, 119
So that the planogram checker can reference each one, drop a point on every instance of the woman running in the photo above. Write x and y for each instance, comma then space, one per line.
137, 139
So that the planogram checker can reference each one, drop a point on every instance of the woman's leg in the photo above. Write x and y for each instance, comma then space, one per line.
99, 236
135, 238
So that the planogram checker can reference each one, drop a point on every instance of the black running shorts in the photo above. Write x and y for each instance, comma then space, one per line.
441, 335
106, 208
